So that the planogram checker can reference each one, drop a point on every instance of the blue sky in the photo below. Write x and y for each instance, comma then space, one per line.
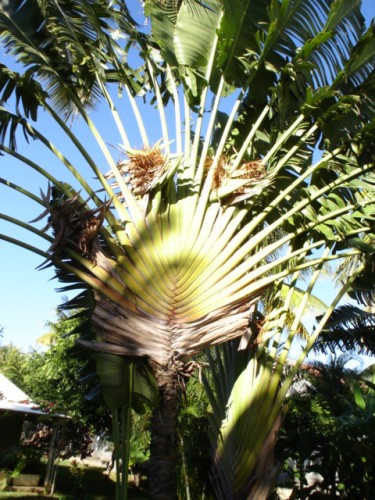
28, 298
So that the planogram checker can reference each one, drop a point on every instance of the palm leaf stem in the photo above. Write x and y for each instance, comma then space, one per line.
194, 149
187, 131
286, 157
202, 104
207, 141
250, 136
83, 151
284, 136
199, 213
298, 207
138, 117
246, 287
35, 167
115, 115
116, 442
160, 106
281, 317
177, 110
354, 232
28, 227
276, 378
123, 213
21, 190
26, 246
227, 130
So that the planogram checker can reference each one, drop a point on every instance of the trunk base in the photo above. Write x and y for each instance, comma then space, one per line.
163, 446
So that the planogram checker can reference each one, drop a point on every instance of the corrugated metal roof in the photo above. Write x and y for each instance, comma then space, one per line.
16, 400
20, 407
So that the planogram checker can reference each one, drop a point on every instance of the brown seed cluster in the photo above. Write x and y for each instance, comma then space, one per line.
220, 173
142, 168
73, 224
253, 171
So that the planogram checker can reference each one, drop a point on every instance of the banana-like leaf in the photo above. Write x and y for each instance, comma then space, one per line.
247, 437
122, 388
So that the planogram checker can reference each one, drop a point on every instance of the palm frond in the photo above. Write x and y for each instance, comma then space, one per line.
349, 328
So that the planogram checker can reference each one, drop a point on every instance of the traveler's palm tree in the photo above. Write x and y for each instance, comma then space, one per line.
182, 236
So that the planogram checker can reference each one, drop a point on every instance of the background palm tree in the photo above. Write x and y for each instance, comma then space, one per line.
348, 329
231, 202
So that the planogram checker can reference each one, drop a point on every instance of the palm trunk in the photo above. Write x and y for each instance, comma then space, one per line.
163, 447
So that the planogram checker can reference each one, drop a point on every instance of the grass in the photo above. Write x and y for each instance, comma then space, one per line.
80, 483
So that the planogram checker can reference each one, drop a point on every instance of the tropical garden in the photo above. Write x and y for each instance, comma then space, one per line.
201, 174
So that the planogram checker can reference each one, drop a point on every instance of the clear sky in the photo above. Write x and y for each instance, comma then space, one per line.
28, 298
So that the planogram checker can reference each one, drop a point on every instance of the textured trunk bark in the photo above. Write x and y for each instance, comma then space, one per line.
163, 447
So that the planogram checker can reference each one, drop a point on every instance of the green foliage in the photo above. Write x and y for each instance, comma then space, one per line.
194, 443
348, 329
52, 379
327, 432
14, 364
54, 382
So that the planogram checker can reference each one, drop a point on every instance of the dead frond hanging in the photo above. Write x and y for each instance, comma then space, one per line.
73, 224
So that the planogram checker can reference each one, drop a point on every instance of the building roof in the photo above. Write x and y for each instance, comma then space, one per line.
11, 392
13, 399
